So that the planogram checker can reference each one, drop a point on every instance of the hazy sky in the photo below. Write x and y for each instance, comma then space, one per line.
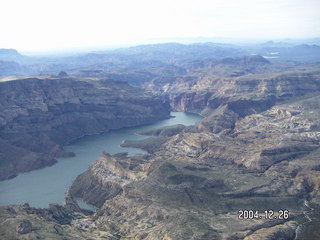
53, 24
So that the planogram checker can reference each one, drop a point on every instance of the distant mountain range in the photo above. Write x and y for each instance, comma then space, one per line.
146, 57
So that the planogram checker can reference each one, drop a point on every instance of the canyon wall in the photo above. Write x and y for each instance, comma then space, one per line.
38, 116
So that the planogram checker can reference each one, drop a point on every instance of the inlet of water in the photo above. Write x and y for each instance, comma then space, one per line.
49, 185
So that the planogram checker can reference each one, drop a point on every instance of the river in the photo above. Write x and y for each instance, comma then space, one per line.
49, 185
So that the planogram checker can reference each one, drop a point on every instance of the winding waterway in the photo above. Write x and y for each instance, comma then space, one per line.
49, 185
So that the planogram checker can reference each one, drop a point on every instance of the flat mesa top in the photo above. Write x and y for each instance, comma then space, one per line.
12, 78
47, 76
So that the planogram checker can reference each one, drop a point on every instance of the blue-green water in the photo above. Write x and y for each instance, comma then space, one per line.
49, 185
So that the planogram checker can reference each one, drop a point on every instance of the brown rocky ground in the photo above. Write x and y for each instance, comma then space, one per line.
56, 223
257, 149
195, 184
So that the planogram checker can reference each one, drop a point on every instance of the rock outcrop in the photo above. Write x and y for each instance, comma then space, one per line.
24, 227
106, 178
244, 95
167, 131
27, 223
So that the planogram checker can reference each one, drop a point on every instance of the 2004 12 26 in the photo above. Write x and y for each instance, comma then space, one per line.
267, 214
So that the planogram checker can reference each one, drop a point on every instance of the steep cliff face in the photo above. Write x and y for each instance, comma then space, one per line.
107, 176
246, 84
37, 116
244, 95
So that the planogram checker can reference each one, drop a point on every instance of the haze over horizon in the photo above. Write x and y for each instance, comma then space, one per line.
50, 25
